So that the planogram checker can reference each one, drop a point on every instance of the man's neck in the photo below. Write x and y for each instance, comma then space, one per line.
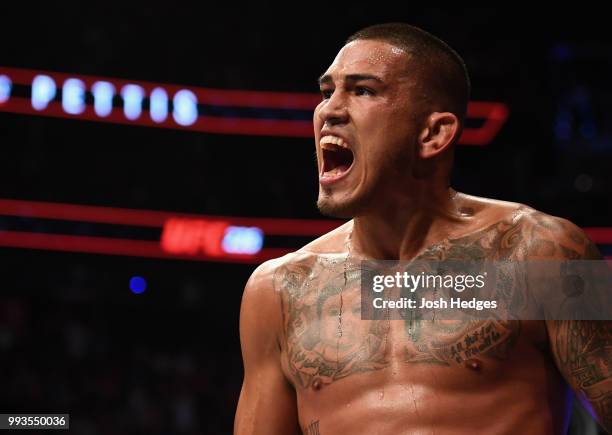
402, 230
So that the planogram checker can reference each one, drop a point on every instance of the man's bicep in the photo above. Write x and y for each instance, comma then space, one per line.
267, 402
582, 350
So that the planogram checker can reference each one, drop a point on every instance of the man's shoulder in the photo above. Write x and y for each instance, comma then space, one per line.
543, 235
549, 236
519, 213
532, 232
298, 263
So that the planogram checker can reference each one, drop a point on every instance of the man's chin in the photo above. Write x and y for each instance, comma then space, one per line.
337, 209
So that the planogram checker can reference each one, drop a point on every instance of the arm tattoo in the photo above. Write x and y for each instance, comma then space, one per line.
582, 349
584, 356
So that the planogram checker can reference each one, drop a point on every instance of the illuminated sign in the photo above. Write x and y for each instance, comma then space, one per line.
5, 88
188, 108
213, 237
182, 236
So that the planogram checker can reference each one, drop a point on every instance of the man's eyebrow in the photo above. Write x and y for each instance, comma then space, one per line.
326, 78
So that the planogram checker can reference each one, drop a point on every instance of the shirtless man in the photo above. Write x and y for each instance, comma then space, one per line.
393, 106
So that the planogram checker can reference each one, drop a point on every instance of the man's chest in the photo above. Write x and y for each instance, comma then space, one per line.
338, 344
325, 338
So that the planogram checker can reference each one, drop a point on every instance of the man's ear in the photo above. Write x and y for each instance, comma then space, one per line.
439, 132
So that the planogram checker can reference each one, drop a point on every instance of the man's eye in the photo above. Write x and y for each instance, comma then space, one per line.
363, 91
326, 93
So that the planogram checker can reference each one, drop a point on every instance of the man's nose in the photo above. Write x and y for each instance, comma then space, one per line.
335, 110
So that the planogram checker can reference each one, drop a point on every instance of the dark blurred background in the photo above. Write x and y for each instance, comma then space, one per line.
74, 338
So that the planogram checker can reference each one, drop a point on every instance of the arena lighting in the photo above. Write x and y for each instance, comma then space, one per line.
103, 93
138, 285
43, 91
148, 104
183, 236
215, 238
495, 116
242, 240
159, 105
73, 96
599, 235
133, 96
5, 88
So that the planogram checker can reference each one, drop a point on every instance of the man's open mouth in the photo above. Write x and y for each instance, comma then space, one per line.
337, 159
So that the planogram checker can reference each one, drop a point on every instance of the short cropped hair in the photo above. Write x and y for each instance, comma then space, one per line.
442, 74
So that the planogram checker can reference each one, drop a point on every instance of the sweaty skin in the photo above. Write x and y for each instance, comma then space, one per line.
340, 374
312, 366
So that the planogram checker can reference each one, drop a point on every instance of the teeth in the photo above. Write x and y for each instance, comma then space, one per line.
333, 171
333, 140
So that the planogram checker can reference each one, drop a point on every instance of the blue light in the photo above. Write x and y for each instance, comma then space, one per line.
242, 240
562, 52
73, 96
103, 93
5, 88
43, 91
185, 107
159, 105
563, 125
132, 101
138, 285
588, 130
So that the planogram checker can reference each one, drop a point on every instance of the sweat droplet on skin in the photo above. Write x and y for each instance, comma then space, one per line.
317, 384
466, 211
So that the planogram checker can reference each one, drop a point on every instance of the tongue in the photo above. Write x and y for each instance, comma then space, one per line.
337, 170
